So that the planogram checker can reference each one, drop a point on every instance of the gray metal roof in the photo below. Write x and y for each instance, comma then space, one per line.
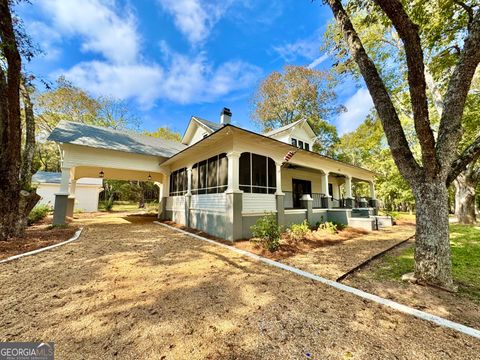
49, 177
210, 124
100, 137
283, 128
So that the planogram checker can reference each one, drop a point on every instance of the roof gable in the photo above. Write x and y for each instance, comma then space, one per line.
290, 127
193, 127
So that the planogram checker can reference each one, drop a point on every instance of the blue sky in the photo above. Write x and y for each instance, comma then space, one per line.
171, 59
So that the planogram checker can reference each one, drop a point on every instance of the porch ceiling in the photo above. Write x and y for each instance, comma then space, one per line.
116, 174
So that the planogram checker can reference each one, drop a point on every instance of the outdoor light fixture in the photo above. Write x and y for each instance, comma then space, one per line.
149, 177
101, 174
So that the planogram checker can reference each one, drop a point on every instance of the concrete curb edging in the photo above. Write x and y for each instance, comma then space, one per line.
33, 252
339, 286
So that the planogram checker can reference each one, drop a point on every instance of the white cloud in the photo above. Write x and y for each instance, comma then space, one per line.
358, 106
195, 18
318, 61
305, 48
47, 37
183, 80
99, 25
104, 28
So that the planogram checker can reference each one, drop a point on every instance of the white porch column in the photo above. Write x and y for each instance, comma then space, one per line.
372, 190
166, 185
233, 172
73, 186
278, 168
189, 181
64, 182
325, 184
348, 187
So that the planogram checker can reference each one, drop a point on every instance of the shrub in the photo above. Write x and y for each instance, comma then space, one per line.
328, 227
38, 213
267, 230
298, 231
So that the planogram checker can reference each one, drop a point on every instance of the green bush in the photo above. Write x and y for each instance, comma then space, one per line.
329, 227
38, 213
267, 231
298, 231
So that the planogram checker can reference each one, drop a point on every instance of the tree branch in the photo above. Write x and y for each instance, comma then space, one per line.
469, 155
383, 104
450, 130
468, 10
408, 32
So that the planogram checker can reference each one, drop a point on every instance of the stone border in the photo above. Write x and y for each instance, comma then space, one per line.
339, 286
33, 252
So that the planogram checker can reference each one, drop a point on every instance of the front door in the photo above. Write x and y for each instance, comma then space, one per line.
300, 188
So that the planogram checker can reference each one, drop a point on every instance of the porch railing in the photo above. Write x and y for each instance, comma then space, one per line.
320, 201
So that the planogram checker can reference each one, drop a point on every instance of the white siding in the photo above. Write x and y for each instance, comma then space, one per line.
214, 202
86, 196
259, 203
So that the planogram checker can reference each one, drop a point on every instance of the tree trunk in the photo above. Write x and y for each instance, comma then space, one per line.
465, 198
28, 200
10, 126
141, 195
432, 243
29, 149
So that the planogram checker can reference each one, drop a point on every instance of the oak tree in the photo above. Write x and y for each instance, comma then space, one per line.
439, 162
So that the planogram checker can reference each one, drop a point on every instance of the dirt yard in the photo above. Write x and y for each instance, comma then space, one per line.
130, 289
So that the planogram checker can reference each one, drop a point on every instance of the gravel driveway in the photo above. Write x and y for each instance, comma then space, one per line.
130, 289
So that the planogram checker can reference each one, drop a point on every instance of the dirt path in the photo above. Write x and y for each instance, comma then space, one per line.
332, 261
135, 290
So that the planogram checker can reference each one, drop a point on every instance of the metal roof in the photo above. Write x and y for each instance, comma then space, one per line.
283, 128
210, 124
48, 177
100, 137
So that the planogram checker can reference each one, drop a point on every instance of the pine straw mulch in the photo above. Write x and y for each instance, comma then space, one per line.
322, 253
37, 236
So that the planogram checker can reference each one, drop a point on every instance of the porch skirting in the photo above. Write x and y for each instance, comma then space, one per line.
228, 219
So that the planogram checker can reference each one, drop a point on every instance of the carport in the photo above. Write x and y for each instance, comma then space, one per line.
92, 151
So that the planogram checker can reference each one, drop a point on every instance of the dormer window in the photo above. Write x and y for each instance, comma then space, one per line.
300, 144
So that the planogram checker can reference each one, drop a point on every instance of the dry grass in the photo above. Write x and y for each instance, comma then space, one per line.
133, 290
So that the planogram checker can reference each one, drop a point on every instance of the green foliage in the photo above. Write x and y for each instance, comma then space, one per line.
38, 213
465, 245
367, 147
165, 133
267, 231
298, 231
298, 93
328, 226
